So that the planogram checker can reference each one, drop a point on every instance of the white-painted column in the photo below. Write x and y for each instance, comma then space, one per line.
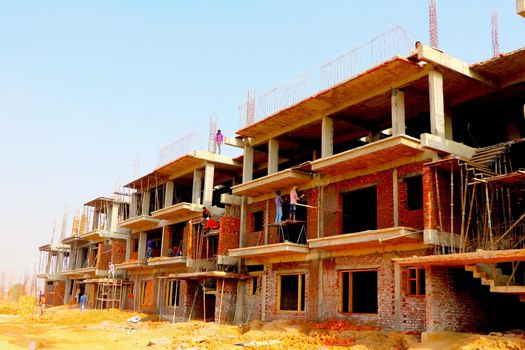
398, 112
197, 187
145, 202
395, 195
168, 195
129, 240
327, 137
209, 170
273, 156
437, 103
247, 164
142, 245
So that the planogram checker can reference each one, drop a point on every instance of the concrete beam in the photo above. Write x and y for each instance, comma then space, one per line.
230, 199
449, 146
398, 112
234, 141
437, 103
327, 137
273, 156
431, 55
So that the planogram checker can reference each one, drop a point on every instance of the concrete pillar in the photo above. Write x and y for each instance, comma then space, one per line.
128, 247
395, 195
145, 202
243, 221
247, 164
373, 136
273, 156
197, 187
437, 103
209, 170
133, 206
398, 112
48, 263
168, 195
397, 297
142, 245
327, 137
113, 217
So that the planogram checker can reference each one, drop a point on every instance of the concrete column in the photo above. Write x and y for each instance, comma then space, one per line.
395, 195
133, 206
273, 156
373, 136
197, 187
48, 263
247, 164
437, 103
168, 195
327, 137
243, 221
209, 170
142, 245
398, 112
145, 202
397, 297
113, 217
128, 247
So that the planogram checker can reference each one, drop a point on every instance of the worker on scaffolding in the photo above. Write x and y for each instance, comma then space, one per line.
149, 249
219, 140
294, 198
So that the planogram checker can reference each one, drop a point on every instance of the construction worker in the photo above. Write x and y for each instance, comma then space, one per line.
111, 270
43, 303
83, 302
219, 139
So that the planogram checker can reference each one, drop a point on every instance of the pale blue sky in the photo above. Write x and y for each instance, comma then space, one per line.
88, 88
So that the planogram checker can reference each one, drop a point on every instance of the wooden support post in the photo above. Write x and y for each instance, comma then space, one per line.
220, 302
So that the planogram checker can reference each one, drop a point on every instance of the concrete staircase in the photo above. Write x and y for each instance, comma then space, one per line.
496, 280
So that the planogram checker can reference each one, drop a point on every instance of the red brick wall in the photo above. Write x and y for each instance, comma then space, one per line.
228, 234
58, 297
333, 200
229, 299
407, 217
252, 303
413, 314
118, 251
104, 256
452, 304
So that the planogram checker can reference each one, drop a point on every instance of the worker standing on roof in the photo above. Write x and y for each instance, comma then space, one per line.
278, 207
219, 140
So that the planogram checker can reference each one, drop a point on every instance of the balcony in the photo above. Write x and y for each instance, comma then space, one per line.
370, 155
368, 239
99, 235
167, 261
271, 183
131, 265
181, 211
270, 250
141, 222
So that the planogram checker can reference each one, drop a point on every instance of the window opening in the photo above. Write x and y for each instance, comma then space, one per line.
359, 210
291, 292
416, 281
358, 292
414, 192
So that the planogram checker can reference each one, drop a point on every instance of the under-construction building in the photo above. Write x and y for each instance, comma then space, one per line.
176, 250
412, 182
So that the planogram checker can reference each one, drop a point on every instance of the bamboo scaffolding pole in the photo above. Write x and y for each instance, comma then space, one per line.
439, 207
176, 300
220, 302
452, 245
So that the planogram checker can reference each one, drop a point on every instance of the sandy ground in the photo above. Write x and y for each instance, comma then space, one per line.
66, 327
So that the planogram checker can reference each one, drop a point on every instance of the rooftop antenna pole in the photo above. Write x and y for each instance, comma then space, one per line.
495, 33
432, 23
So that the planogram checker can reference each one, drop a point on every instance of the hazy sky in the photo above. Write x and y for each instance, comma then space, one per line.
90, 91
